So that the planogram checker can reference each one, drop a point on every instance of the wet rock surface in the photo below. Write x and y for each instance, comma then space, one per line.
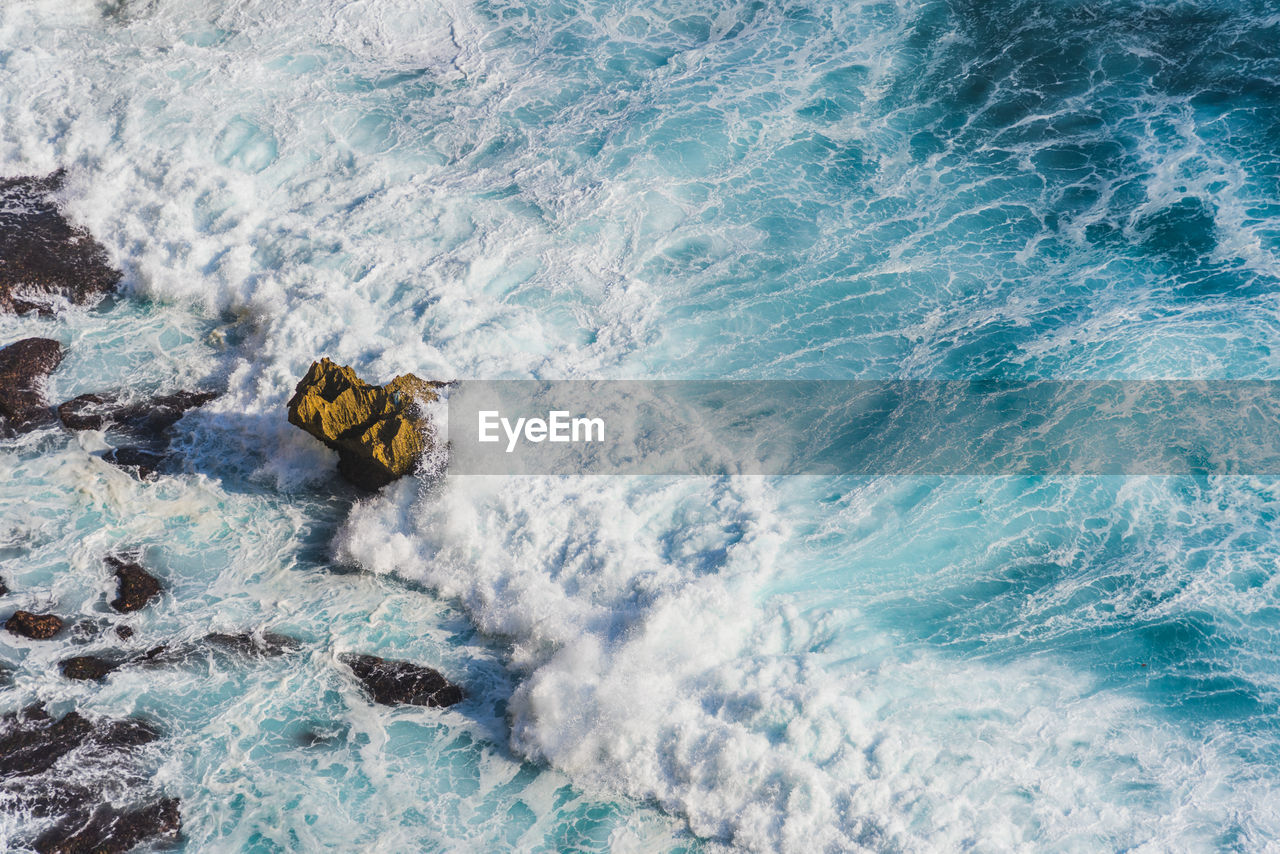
34, 626
136, 587
379, 432
109, 829
245, 645
393, 682
265, 645
31, 741
24, 367
44, 259
248, 645
143, 464
144, 419
88, 667
79, 772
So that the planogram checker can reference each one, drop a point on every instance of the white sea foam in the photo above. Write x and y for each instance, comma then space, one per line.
653, 663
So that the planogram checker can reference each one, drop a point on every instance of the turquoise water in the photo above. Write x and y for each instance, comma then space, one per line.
490, 190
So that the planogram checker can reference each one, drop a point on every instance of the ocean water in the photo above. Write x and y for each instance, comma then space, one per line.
485, 190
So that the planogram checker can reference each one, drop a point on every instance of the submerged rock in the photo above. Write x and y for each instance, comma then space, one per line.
137, 461
379, 432
396, 682
265, 645
43, 257
109, 829
24, 367
34, 626
248, 645
136, 587
148, 418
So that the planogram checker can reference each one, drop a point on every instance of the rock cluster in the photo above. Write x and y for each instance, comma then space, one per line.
75, 774
44, 258
379, 432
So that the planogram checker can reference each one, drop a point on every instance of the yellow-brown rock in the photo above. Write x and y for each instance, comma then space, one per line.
379, 432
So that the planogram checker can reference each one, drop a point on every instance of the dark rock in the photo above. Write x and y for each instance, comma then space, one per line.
59, 768
138, 461
34, 626
162, 655
32, 742
136, 588
266, 645
89, 667
43, 257
86, 412
147, 419
109, 829
379, 432
4, 588
124, 632
24, 367
50, 797
120, 733
393, 682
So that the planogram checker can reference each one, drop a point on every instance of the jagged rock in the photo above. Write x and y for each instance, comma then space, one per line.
4, 588
137, 461
34, 626
379, 432
109, 829
43, 257
147, 419
124, 632
395, 682
88, 667
136, 587
24, 367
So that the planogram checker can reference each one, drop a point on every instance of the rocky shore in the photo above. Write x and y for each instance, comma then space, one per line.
51, 767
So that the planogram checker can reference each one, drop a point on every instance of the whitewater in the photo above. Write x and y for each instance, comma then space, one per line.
741, 190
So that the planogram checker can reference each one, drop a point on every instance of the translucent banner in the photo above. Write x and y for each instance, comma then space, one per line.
873, 427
